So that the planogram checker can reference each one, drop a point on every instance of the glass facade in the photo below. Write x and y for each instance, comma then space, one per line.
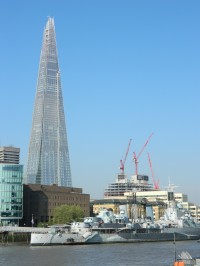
48, 157
11, 194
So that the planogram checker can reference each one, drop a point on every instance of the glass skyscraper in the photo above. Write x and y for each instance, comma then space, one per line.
48, 156
11, 193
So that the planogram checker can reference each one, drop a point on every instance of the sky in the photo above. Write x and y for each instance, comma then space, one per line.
128, 69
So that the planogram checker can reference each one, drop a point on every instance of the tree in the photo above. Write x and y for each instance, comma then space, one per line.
67, 214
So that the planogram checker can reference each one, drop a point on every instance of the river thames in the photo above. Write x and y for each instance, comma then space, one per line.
135, 254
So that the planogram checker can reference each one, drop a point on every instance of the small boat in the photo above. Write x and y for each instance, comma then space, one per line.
185, 259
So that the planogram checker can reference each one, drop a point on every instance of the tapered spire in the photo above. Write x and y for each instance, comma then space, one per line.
48, 157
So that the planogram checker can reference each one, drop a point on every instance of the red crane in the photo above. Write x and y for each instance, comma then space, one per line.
156, 183
135, 158
122, 162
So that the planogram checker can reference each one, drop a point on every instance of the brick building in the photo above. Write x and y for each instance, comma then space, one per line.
40, 201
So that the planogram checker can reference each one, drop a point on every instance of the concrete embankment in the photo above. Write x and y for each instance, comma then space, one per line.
15, 234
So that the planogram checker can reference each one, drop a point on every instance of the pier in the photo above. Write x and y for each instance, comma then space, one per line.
17, 229
16, 234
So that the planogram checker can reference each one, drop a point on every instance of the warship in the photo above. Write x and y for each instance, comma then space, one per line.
110, 228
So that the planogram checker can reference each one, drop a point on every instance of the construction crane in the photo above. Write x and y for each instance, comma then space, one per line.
122, 162
156, 183
135, 158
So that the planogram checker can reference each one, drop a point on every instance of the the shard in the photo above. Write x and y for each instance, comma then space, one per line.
48, 156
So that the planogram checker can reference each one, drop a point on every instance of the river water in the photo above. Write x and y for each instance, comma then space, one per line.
135, 254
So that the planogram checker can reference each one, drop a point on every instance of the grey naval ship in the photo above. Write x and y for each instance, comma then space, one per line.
110, 228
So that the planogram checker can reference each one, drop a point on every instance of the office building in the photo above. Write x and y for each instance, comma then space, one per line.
11, 186
48, 155
123, 185
41, 200
9, 155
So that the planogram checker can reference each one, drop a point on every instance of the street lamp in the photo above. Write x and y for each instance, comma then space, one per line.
32, 221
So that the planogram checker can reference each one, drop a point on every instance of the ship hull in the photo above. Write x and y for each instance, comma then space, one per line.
122, 236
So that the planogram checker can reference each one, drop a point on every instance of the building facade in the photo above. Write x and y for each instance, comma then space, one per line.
11, 194
193, 209
9, 155
134, 208
123, 185
161, 195
159, 200
48, 156
139, 187
41, 200
130, 206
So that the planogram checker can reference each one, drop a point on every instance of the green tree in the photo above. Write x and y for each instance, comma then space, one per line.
67, 214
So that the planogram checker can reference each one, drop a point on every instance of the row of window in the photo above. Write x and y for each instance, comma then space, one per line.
12, 168
10, 194
6, 207
63, 203
64, 198
17, 214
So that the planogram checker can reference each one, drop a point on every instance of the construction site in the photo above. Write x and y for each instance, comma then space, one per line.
138, 188
137, 182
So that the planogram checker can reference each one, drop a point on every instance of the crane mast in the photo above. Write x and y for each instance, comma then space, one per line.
156, 183
122, 162
135, 157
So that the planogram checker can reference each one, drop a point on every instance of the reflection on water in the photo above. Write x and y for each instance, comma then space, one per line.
137, 254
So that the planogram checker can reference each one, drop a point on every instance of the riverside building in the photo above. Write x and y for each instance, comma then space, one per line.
48, 155
139, 187
41, 200
11, 187
123, 185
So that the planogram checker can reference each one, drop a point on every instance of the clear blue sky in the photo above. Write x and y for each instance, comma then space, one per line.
128, 68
